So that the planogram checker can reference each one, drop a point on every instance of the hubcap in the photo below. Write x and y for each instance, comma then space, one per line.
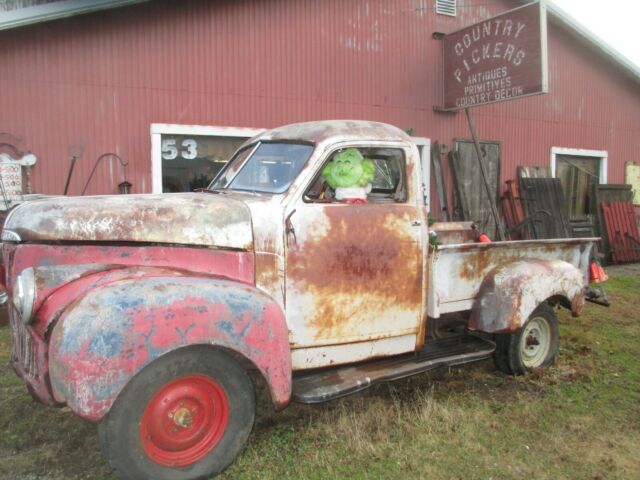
184, 421
535, 342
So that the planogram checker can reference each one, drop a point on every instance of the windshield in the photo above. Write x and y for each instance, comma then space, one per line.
265, 167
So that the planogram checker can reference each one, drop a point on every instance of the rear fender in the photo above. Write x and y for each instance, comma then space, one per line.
510, 293
113, 331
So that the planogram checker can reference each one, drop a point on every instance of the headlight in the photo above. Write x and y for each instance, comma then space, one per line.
9, 236
24, 294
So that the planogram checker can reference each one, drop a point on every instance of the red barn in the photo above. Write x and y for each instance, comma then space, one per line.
172, 88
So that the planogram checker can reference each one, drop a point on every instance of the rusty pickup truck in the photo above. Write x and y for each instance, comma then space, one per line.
154, 315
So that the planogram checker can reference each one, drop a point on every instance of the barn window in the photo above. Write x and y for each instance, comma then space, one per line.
446, 7
578, 170
186, 157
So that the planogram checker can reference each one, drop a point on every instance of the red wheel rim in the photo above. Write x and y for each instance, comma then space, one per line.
184, 421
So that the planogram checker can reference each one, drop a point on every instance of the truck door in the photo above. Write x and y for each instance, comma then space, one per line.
354, 270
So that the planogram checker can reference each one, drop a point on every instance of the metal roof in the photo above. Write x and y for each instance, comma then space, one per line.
55, 10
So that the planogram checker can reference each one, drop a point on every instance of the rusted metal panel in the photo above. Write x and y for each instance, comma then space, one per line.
606, 193
622, 231
267, 218
511, 292
100, 80
323, 385
306, 358
190, 219
454, 233
456, 272
347, 282
336, 131
65, 273
130, 319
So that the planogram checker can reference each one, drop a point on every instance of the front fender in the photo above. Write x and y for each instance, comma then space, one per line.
114, 330
511, 292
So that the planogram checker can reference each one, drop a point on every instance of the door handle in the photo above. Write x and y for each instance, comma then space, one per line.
289, 230
416, 223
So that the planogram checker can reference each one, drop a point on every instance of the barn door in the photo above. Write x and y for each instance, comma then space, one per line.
470, 201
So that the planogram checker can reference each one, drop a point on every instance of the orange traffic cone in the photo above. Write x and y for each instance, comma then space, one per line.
484, 238
597, 273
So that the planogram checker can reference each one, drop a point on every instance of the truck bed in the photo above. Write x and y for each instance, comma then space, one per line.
456, 270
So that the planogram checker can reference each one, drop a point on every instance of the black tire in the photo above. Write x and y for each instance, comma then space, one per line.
149, 396
534, 346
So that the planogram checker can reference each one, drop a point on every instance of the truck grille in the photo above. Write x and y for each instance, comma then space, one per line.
23, 350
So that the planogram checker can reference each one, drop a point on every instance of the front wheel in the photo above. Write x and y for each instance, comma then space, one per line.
185, 416
535, 345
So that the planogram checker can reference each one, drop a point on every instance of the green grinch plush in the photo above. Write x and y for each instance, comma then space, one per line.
350, 175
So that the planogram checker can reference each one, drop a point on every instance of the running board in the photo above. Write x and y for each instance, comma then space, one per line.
327, 384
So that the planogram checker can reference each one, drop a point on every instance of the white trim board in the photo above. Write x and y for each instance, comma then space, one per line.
157, 129
579, 152
425, 157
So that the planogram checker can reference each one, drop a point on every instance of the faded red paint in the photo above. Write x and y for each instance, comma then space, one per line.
58, 265
67, 274
622, 231
116, 329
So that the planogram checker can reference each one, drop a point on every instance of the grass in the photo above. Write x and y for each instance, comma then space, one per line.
577, 420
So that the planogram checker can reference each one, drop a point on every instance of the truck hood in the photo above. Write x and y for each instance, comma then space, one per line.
183, 218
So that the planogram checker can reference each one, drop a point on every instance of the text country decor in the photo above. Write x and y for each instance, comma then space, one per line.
501, 58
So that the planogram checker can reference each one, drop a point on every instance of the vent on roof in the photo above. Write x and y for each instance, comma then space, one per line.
446, 7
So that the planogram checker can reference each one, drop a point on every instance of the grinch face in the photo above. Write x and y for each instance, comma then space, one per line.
349, 169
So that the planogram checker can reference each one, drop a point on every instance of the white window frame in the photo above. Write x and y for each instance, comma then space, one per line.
603, 155
158, 129
425, 166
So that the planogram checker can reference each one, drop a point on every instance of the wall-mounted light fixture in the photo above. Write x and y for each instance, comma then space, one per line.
123, 187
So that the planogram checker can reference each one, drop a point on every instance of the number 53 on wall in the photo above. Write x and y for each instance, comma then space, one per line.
170, 149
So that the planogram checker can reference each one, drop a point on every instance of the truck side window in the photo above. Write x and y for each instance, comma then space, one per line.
389, 181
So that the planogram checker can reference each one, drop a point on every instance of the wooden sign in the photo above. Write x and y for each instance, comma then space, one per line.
501, 58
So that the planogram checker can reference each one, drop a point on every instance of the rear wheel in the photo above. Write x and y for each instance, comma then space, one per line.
185, 416
534, 346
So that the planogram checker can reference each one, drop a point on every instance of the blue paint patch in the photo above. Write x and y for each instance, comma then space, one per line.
226, 327
125, 303
106, 344
240, 303
125, 254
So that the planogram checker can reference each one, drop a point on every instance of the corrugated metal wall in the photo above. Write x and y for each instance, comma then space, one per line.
98, 81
